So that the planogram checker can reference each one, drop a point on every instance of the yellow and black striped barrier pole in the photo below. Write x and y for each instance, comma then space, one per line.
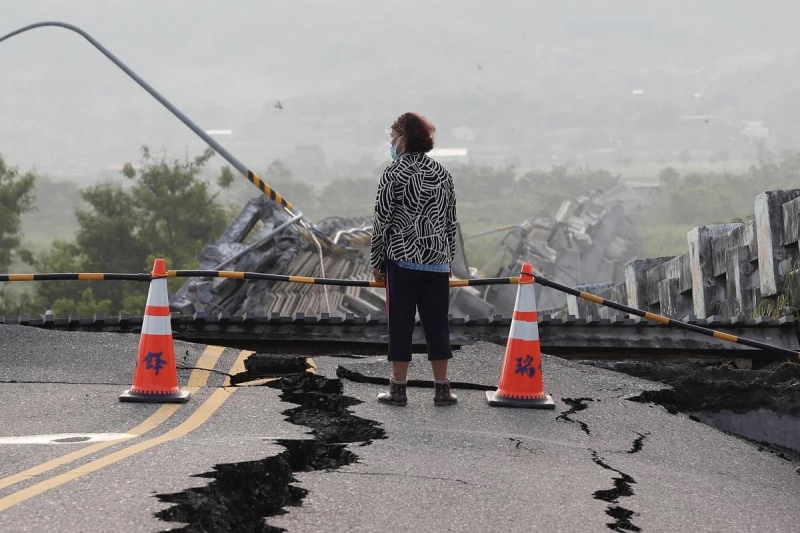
230, 274
662, 319
514, 280
76, 276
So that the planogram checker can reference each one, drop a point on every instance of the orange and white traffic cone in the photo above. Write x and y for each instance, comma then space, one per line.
521, 377
155, 378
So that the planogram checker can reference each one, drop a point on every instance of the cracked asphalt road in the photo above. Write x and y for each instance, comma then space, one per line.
597, 462
68, 383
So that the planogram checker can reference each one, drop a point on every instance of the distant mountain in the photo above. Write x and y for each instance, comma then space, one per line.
535, 82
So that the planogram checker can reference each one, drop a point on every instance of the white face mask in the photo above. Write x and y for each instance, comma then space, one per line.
393, 149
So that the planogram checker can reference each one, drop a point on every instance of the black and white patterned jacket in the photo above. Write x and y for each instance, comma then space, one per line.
415, 213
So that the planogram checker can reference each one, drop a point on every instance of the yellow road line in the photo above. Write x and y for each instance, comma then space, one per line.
197, 418
197, 379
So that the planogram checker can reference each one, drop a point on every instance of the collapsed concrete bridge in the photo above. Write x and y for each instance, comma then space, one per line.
589, 240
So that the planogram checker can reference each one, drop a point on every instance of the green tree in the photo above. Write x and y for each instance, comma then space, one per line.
279, 171
16, 198
668, 177
107, 240
279, 178
475, 182
176, 213
697, 199
307, 161
298, 192
168, 211
349, 197
487, 198
62, 256
85, 305
554, 186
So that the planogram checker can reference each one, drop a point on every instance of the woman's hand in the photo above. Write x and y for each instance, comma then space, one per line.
378, 275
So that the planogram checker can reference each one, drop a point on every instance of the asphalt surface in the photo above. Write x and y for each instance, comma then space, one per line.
59, 382
597, 462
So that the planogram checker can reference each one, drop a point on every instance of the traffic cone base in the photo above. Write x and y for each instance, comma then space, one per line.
155, 378
143, 397
521, 376
497, 399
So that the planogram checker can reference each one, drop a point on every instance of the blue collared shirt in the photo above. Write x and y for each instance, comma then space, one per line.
444, 267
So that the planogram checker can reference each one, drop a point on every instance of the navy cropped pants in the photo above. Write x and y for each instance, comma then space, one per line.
409, 291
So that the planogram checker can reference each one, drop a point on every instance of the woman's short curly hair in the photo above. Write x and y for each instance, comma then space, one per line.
416, 130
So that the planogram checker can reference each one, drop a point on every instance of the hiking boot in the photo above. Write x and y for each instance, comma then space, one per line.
442, 394
396, 394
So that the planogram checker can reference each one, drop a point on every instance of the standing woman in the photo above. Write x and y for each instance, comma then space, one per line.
413, 246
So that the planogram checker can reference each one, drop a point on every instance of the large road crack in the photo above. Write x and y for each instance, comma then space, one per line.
576, 404
638, 442
622, 483
622, 489
241, 495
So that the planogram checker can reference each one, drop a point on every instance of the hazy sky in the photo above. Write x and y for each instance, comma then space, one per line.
351, 66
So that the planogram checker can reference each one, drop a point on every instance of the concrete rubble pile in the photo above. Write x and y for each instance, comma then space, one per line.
586, 244
588, 241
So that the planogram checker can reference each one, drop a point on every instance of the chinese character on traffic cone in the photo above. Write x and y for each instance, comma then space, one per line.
155, 378
521, 378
